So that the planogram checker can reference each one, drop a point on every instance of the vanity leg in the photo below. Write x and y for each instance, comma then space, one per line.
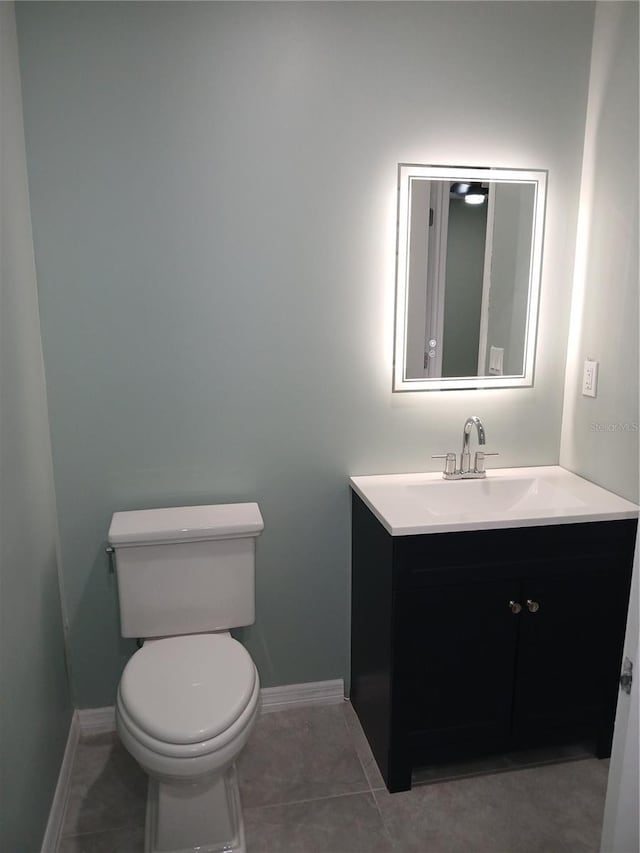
399, 776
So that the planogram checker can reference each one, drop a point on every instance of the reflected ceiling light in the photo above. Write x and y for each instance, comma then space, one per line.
460, 189
476, 194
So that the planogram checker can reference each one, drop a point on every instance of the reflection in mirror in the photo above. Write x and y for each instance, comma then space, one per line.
469, 256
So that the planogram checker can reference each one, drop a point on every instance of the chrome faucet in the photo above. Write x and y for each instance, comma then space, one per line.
465, 456
465, 472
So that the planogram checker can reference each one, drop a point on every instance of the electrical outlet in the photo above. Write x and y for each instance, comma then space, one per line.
590, 379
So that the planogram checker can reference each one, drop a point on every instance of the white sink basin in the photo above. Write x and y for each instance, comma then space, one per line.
508, 497
444, 497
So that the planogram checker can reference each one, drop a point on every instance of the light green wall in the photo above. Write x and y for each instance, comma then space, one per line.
600, 436
35, 707
213, 190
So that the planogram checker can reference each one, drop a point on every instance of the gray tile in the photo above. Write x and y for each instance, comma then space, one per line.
574, 793
305, 779
500, 763
108, 789
299, 754
346, 824
363, 750
554, 808
127, 840
460, 770
550, 755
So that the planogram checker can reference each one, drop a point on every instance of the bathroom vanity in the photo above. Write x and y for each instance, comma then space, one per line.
486, 616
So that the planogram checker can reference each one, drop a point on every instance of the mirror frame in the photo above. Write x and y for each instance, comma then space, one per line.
408, 172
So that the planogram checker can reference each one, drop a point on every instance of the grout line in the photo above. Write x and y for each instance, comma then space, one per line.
352, 741
385, 824
356, 733
308, 800
129, 826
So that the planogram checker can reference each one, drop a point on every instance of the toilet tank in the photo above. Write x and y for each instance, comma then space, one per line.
185, 570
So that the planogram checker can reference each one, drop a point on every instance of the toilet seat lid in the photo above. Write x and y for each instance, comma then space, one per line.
188, 689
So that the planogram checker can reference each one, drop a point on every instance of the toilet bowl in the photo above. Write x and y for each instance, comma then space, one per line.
188, 698
184, 711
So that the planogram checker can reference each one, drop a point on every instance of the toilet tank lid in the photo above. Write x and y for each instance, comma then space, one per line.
185, 524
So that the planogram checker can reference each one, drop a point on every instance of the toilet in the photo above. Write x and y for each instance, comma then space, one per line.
188, 698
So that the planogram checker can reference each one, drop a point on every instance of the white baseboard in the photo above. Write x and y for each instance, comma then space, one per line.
63, 786
301, 695
95, 721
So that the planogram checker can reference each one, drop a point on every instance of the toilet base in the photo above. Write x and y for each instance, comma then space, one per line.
184, 817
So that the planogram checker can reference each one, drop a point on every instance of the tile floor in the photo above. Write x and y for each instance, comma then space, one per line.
310, 785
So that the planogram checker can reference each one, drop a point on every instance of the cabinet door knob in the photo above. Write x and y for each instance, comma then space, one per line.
515, 606
533, 606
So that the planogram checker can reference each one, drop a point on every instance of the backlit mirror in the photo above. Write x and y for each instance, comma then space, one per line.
468, 276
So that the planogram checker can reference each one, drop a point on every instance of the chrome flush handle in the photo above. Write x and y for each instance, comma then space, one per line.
110, 552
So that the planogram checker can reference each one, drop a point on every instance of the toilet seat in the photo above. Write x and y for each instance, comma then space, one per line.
190, 695
207, 749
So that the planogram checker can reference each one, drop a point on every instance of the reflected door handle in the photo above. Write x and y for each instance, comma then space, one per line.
515, 606
532, 606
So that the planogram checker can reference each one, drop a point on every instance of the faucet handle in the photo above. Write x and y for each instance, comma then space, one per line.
450, 461
480, 460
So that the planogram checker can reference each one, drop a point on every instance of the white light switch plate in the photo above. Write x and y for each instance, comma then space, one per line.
590, 379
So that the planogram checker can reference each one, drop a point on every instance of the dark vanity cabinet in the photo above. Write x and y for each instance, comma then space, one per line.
486, 641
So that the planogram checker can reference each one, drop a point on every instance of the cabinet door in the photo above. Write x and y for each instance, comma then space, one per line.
568, 653
456, 666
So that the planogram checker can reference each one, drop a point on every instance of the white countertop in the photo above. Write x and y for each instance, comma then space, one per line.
408, 504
